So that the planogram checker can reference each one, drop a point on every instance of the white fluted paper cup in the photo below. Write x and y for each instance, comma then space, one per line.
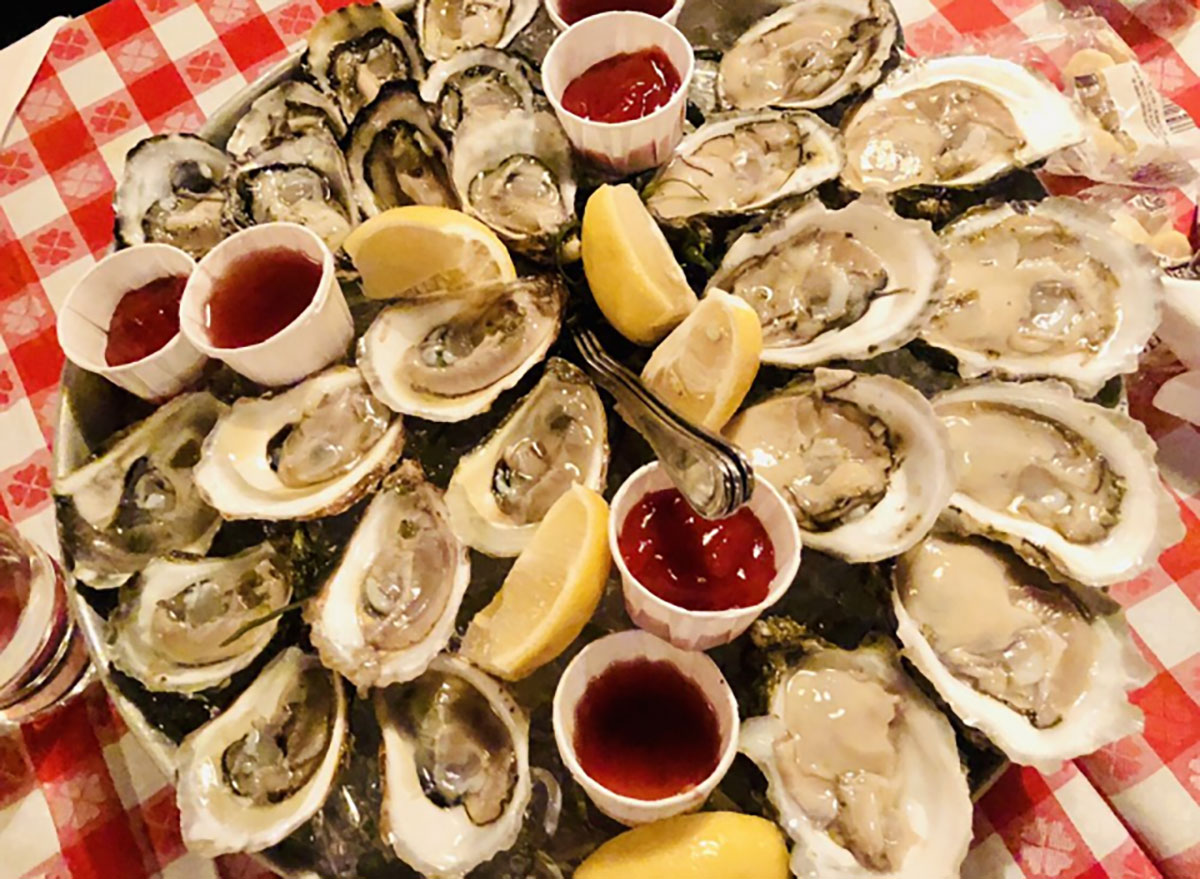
84, 319
702, 629
320, 334
589, 664
554, 10
621, 147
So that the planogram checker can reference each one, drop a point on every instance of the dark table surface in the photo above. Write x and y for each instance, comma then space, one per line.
22, 16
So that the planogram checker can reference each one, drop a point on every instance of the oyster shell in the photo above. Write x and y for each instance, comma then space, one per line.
1070, 485
308, 452
389, 607
1023, 660
556, 436
830, 285
861, 460
862, 768
172, 191
447, 27
479, 81
955, 121
809, 54
137, 500
516, 174
1045, 289
264, 766
171, 627
395, 156
353, 51
456, 777
448, 357
738, 163
301, 180
289, 110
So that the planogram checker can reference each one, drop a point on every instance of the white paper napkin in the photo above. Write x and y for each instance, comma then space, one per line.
20, 62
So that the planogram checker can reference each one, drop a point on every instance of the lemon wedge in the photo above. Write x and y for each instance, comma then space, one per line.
549, 594
420, 249
630, 268
705, 368
707, 845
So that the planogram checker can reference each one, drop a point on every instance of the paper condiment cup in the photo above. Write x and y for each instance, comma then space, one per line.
592, 661
86, 313
702, 629
554, 7
320, 334
620, 147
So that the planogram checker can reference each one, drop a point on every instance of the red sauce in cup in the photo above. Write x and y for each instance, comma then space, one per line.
643, 729
258, 295
144, 320
624, 87
572, 11
693, 562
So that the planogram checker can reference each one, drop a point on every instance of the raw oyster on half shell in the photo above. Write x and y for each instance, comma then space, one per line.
809, 54
138, 500
1026, 661
308, 452
174, 618
1071, 486
555, 437
289, 110
1045, 289
830, 285
448, 27
448, 357
264, 766
389, 606
456, 777
737, 163
863, 770
479, 81
862, 460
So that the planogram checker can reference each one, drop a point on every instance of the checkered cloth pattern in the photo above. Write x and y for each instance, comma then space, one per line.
80, 799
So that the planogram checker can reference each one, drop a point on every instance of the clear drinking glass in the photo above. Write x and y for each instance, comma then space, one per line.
43, 661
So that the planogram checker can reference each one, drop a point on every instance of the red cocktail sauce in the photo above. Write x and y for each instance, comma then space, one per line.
643, 729
258, 295
693, 562
144, 320
572, 11
624, 87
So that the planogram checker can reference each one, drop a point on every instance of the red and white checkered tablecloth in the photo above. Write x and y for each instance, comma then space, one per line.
79, 799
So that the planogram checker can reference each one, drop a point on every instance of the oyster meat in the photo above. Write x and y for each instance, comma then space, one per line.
861, 460
308, 452
138, 500
289, 110
829, 285
301, 180
447, 27
555, 437
1070, 485
395, 156
737, 163
261, 769
174, 619
863, 770
809, 54
389, 606
1045, 289
456, 777
1024, 660
448, 357
956, 121
516, 173
479, 81
172, 191
353, 51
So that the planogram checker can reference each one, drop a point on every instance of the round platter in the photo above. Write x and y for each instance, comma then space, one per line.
844, 604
